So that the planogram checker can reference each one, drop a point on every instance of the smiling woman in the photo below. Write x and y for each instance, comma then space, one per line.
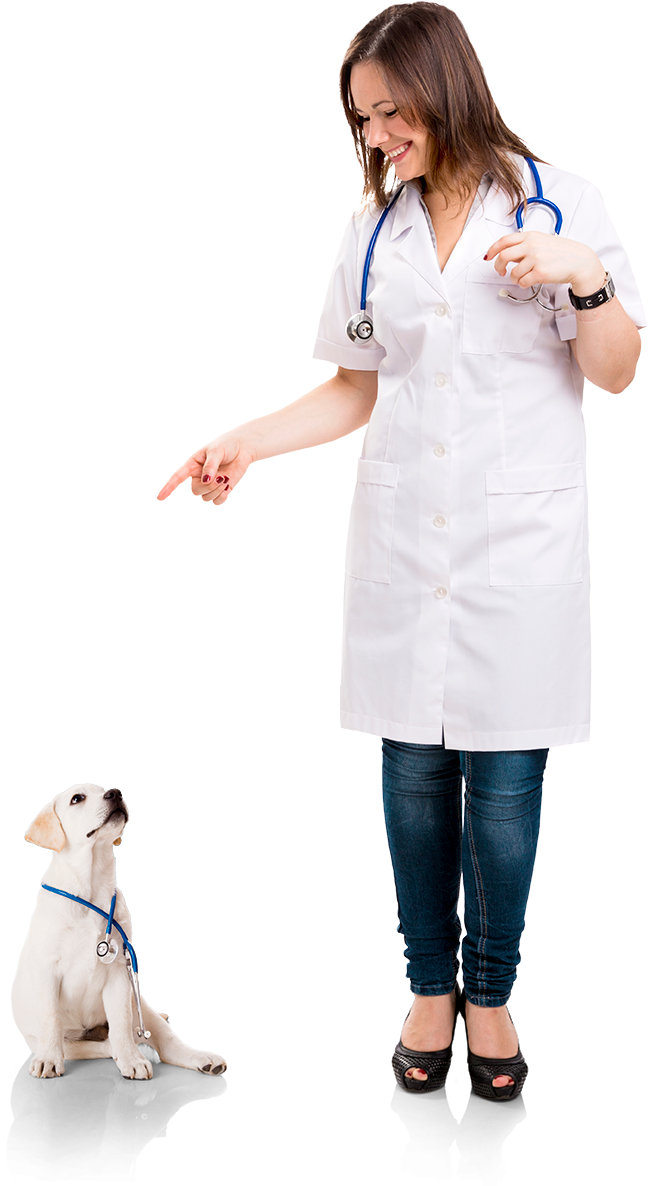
466, 604
416, 99
447, 111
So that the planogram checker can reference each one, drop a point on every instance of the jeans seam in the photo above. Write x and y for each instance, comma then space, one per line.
479, 885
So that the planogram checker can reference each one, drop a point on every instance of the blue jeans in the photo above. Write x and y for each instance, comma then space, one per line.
422, 799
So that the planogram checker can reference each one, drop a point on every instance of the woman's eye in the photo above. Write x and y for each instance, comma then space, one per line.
362, 119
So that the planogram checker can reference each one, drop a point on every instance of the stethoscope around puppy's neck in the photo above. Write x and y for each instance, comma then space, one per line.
107, 948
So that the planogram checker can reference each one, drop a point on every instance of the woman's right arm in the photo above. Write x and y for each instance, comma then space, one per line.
332, 410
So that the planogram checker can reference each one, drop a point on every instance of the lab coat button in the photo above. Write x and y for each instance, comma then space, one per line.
441, 380
439, 521
441, 310
440, 592
439, 451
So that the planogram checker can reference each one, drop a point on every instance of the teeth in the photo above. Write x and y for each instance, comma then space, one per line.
397, 152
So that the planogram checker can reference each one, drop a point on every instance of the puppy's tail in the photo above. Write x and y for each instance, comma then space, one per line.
85, 1049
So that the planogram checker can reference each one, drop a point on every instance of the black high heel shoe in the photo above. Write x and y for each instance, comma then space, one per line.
424, 1108
435, 1063
483, 1129
482, 1071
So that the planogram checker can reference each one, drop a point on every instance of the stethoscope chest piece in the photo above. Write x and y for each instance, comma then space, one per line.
107, 951
360, 326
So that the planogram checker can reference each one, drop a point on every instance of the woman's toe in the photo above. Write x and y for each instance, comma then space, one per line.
415, 1073
503, 1081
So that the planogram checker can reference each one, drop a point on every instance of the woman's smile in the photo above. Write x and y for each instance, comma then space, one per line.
383, 126
397, 154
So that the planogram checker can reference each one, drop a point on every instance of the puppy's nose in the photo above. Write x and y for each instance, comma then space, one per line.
114, 794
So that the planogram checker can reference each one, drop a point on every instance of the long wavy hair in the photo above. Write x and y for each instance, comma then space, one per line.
437, 82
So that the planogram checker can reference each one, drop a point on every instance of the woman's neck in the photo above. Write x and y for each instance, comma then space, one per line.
448, 207
448, 213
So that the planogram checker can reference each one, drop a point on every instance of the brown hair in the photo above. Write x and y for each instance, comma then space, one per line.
437, 82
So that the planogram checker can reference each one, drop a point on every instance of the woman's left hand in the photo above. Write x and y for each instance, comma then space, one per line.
548, 259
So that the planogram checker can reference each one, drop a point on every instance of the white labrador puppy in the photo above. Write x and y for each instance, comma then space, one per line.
67, 1001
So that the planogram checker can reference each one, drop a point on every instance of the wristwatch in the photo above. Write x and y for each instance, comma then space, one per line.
597, 298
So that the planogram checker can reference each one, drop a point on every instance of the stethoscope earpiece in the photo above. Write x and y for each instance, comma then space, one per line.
535, 296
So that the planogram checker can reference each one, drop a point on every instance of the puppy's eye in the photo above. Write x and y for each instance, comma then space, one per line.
77, 799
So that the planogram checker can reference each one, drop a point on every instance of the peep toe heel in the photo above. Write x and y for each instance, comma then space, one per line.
435, 1063
424, 1109
482, 1071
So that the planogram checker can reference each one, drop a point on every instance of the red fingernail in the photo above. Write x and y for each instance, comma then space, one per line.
219, 478
206, 477
486, 256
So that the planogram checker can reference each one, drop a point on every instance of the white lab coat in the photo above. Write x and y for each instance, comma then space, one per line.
466, 608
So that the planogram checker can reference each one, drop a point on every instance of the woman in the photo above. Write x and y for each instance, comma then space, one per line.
466, 600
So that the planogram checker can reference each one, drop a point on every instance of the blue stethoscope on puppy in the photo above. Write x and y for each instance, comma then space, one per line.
107, 948
360, 326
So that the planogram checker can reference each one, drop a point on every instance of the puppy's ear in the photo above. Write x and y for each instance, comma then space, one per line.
46, 830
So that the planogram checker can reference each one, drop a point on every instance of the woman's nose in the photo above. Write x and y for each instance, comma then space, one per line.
376, 133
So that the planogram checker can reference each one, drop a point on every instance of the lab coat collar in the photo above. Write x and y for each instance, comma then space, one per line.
411, 236
490, 222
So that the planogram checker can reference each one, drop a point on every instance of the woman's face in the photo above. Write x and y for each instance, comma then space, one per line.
382, 126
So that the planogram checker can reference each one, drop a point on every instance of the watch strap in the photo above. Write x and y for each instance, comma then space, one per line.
603, 295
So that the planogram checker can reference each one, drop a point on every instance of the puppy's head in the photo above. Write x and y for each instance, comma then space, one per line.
81, 816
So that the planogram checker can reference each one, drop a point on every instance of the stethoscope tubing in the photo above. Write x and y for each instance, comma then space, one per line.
539, 200
372, 241
129, 950
112, 921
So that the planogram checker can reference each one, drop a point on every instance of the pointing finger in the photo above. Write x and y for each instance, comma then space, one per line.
191, 469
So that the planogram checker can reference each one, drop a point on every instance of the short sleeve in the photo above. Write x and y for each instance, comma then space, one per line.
591, 224
342, 302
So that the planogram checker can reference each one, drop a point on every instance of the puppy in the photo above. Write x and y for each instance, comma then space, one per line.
67, 1001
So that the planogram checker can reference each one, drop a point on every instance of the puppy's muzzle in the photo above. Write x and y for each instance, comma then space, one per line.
115, 806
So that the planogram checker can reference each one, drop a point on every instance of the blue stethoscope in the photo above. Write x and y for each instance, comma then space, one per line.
107, 948
360, 326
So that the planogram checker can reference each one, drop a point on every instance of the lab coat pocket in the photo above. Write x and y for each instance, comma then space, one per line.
368, 554
493, 324
535, 525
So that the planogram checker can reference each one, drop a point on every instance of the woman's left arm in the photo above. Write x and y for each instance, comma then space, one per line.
607, 344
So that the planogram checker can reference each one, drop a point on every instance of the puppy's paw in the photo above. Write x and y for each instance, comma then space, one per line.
135, 1067
44, 1068
209, 1064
